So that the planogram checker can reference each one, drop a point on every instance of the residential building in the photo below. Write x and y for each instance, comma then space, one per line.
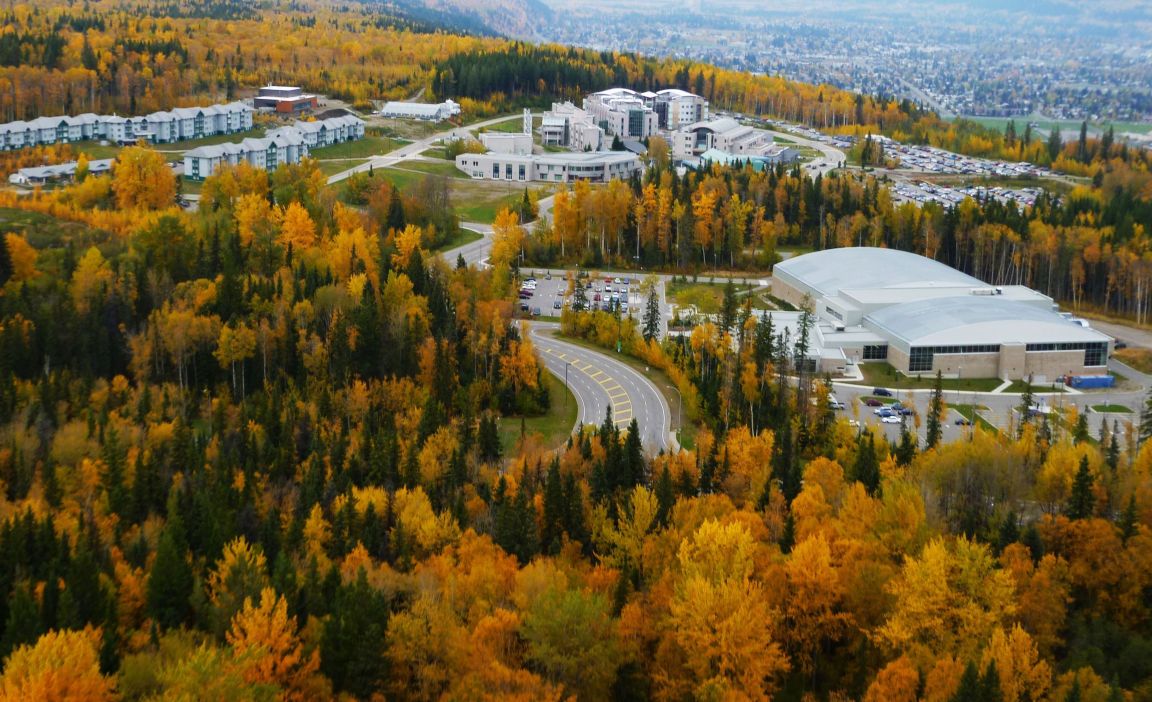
420, 110
592, 166
285, 99
286, 145
921, 316
42, 175
159, 127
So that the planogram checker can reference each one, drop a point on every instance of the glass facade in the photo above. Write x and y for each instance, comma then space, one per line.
878, 352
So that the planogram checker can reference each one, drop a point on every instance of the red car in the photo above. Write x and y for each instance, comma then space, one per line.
596, 297
873, 402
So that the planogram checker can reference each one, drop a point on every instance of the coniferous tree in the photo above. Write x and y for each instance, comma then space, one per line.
866, 468
935, 413
970, 689
23, 625
1081, 499
169, 583
353, 643
652, 316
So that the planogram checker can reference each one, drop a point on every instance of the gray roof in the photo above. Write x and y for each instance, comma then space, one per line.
975, 320
829, 271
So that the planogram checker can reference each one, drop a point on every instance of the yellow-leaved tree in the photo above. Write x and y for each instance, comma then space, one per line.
142, 180
62, 666
298, 230
265, 639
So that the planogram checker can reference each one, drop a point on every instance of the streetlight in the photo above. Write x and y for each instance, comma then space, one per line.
679, 410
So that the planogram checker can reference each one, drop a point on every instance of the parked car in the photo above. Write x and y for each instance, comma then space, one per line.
890, 419
596, 297
535, 311
883, 412
523, 307
873, 402
963, 422
525, 294
882, 392
556, 305
547, 276
900, 409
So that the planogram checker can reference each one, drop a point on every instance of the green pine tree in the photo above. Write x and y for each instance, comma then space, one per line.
933, 429
169, 583
652, 315
353, 642
1081, 500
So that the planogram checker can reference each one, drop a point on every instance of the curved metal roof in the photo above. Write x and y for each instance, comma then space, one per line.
830, 271
972, 319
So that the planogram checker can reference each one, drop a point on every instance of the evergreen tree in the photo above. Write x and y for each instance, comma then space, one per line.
728, 307
169, 583
1025, 407
1112, 457
1080, 432
1081, 500
552, 529
633, 458
1009, 532
866, 468
1129, 519
1146, 418
990, 684
970, 689
579, 297
652, 316
1055, 143
1074, 694
23, 624
935, 413
665, 497
112, 477
1082, 144
353, 642
488, 439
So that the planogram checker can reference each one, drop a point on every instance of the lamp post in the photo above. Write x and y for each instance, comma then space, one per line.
679, 410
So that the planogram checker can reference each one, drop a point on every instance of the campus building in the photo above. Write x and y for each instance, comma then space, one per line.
623, 113
420, 110
922, 316
677, 108
569, 126
179, 124
285, 99
279, 147
724, 134
592, 166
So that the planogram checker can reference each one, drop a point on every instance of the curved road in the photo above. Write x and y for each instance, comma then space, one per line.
599, 382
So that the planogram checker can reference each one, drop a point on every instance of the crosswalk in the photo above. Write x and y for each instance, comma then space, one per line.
618, 397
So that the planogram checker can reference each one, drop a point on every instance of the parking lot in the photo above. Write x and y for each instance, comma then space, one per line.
545, 293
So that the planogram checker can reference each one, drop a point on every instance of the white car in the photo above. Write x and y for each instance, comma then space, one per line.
891, 419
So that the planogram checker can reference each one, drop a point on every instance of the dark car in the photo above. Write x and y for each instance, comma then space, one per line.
535, 311
873, 402
963, 422
523, 307
525, 294
556, 305
882, 392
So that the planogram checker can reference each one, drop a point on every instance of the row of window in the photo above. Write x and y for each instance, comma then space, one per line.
878, 352
1095, 352
920, 357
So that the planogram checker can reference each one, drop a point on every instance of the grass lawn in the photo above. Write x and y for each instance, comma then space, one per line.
1140, 359
482, 206
359, 148
707, 297
513, 125
442, 168
1021, 386
45, 232
95, 150
1112, 408
968, 411
330, 168
882, 375
555, 425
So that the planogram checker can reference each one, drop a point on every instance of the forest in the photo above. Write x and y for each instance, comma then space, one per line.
251, 453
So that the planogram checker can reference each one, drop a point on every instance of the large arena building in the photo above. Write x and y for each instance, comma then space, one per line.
922, 316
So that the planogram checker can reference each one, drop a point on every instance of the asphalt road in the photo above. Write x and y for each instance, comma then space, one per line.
599, 382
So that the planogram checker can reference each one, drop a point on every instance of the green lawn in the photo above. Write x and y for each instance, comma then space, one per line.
95, 150
330, 168
513, 125
883, 375
1112, 408
482, 206
1021, 386
464, 236
442, 168
555, 425
1066, 126
359, 148
968, 411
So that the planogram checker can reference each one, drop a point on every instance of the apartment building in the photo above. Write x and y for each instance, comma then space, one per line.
279, 147
159, 127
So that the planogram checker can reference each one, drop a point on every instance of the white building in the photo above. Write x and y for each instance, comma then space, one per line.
592, 166
725, 134
922, 316
40, 175
282, 146
420, 110
568, 125
677, 108
160, 127
622, 112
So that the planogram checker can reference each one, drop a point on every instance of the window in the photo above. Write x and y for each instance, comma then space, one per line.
521, 171
495, 170
508, 171
878, 352
834, 313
